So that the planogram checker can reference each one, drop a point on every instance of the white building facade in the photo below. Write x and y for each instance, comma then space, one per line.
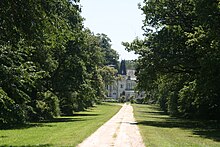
125, 86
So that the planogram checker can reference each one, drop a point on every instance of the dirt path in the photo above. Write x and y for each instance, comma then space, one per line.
120, 131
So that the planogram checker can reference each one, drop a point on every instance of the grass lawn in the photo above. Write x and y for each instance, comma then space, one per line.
63, 131
161, 130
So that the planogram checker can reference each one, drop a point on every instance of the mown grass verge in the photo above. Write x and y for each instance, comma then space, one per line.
62, 131
161, 130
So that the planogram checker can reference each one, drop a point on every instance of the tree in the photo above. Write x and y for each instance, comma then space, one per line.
50, 64
130, 64
179, 56
110, 55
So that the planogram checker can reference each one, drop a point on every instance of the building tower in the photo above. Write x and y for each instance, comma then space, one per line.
122, 70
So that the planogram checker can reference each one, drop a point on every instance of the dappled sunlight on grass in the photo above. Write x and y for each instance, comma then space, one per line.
158, 129
61, 131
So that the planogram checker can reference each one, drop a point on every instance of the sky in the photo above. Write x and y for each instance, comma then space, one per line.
120, 20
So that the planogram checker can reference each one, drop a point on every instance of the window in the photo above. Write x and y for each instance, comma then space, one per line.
129, 86
121, 85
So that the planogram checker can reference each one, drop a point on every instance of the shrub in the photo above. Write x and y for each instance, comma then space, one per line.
131, 99
11, 113
187, 99
122, 99
46, 106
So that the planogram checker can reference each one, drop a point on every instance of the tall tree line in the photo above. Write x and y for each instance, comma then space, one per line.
49, 63
179, 63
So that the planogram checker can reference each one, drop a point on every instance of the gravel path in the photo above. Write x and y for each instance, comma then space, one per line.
120, 131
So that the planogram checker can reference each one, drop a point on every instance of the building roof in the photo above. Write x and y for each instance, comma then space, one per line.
122, 70
130, 73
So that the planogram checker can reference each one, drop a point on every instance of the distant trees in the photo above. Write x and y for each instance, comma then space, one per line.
110, 55
49, 63
179, 57
130, 64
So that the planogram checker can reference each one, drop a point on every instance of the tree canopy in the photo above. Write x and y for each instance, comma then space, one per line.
49, 63
179, 57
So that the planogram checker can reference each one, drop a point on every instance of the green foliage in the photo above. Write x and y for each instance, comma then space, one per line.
46, 106
50, 64
122, 99
187, 99
179, 58
130, 64
110, 55
108, 74
11, 113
